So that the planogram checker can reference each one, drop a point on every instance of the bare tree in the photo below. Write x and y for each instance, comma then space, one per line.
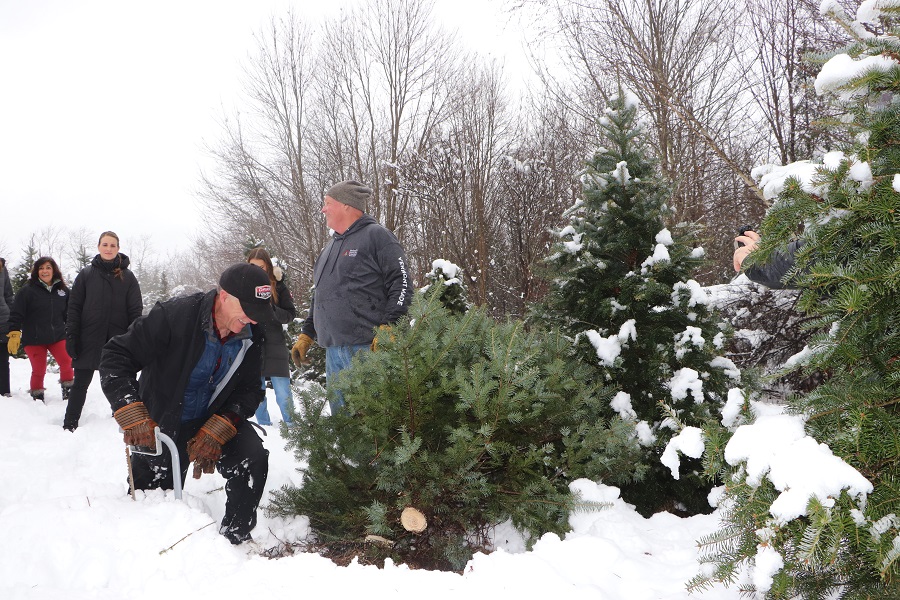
781, 80
140, 253
387, 73
454, 184
261, 187
81, 248
51, 241
538, 180
345, 102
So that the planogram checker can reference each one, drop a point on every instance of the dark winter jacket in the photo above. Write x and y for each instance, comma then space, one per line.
361, 281
101, 305
275, 352
6, 299
165, 346
773, 272
40, 313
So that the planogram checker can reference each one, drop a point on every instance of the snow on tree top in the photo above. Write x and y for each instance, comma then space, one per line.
449, 269
869, 11
841, 69
664, 237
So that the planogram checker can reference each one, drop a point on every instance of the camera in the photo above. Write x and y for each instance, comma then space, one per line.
741, 231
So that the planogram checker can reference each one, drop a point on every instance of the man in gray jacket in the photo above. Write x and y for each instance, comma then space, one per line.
361, 282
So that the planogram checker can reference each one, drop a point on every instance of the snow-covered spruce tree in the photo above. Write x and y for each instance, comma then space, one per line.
847, 209
453, 292
19, 275
469, 421
623, 290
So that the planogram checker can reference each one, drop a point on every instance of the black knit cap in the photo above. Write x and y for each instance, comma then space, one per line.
250, 285
350, 192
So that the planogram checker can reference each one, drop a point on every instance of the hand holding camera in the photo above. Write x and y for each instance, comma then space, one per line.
745, 243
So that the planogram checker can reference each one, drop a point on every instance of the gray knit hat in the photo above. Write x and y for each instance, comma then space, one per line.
352, 193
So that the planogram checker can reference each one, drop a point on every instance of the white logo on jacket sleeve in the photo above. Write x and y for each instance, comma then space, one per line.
402, 297
264, 292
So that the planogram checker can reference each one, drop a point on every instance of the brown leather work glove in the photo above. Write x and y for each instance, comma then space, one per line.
300, 348
205, 448
375, 339
138, 426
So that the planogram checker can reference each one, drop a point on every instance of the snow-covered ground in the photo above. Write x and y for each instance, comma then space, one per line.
69, 530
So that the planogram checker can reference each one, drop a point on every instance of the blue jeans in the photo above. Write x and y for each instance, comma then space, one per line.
282, 386
337, 358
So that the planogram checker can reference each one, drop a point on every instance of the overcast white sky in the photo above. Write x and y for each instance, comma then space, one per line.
106, 104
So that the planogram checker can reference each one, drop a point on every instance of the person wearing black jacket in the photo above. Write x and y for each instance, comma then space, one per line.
105, 299
772, 274
38, 322
199, 362
6, 300
275, 355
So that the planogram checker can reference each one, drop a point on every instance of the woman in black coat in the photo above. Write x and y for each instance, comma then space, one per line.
275, 351
38, 322
105, 299
6, 302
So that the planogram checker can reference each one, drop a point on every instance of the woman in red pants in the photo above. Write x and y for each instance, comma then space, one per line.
38, 321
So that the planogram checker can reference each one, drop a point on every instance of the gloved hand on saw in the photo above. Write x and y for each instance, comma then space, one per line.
205, 448
138, 426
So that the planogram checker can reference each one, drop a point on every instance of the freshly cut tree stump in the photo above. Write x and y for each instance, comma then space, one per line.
413, 520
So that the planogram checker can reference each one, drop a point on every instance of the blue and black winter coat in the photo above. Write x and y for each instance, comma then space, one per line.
164, 346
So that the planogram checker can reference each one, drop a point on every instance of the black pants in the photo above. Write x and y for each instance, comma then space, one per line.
244, 465
4, 366
77, 396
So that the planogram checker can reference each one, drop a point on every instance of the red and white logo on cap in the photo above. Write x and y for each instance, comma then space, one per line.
264, 292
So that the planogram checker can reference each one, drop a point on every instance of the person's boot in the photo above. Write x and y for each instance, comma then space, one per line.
66, 388
37, 394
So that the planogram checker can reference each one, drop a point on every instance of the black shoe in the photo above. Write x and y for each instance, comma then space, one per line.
237, 538
70, 427
66, 390
37, 394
